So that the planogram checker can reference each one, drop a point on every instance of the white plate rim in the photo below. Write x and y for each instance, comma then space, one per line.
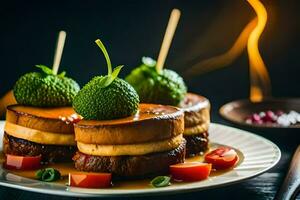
52, 189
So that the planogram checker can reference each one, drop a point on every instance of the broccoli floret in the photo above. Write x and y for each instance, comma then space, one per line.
106, 97
166, 87
44, 89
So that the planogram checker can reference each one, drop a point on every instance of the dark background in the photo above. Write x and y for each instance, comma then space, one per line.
131, 29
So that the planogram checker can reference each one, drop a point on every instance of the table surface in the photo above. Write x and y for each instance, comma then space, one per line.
262, 187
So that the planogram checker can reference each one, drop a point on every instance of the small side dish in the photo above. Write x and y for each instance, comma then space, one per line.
279, 118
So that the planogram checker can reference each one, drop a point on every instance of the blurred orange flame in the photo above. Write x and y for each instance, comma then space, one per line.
228, 57
260, 84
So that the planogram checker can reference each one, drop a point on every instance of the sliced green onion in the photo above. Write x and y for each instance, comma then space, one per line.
48, 174
160, 181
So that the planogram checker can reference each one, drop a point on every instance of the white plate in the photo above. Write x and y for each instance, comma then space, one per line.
259, 156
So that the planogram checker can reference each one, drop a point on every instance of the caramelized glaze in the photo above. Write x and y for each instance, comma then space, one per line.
44, 112
145, 112
42, 119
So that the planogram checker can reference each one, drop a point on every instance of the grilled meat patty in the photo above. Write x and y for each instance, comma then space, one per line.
131, 166
50, 153
196, 144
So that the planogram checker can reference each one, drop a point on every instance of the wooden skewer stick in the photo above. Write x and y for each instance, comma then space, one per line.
172, 24
59, 49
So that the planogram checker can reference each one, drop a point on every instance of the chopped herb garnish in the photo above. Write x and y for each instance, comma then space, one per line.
160, 181
48, 174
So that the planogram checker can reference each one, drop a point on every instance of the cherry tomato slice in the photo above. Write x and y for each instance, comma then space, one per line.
90, 180
222, 158
22, 162
191, 171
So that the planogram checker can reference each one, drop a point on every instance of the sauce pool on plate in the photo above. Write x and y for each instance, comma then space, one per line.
66, 168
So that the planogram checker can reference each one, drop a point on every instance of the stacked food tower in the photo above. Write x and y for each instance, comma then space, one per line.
196, 121
32, 131
137, 146
168, 88
39, 127
119, 136
34, 127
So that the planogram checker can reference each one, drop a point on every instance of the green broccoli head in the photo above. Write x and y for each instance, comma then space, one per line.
117, 100
44, 89
106, 97
166, 87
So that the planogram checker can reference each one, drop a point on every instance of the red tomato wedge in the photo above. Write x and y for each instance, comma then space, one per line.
22, 162
222, 158
191, 171
90, 180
